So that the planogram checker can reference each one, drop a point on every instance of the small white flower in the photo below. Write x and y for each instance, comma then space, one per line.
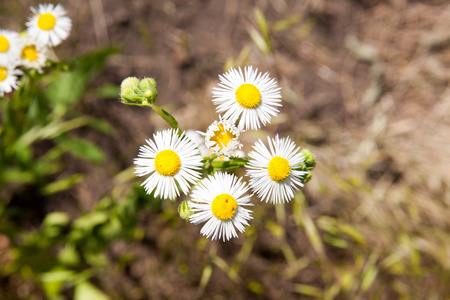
248, 96
170, 160
8, 75
222, 138
49, 25
9, 44
32, 55
218, 200
273, 171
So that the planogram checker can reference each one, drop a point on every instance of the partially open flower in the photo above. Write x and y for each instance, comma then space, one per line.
222, 137
32, 55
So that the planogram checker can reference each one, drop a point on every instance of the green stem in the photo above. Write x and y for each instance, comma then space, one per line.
229, 165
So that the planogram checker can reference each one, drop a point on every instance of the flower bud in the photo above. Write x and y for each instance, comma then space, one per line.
184, 210
147, 83
310, 159
130, 93
306, 178
129, 84
138, 92
148, 87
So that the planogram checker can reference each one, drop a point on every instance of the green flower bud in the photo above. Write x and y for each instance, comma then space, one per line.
127, 92
184, 210
306, 178
310, 159
130, 84
137, 92
147, 83
148, 87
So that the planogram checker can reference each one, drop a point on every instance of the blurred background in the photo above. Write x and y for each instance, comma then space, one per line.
364, 86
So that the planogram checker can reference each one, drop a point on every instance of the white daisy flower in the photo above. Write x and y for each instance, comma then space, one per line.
8, 76
32, 55
248, 96
274, 172
222, 137
218, 200
171, 161
49, 25
9, 44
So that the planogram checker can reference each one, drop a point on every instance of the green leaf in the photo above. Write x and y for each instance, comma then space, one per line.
68, 256
262, 24
16, 175
56, 219
369, 277
88, 222
308, 290
86, 290
108, 91
313, 234
90, 64
81, 148
288, 22
67, 87
111, 229
102, 126
353, 233
52, 282
259, 41
275, 229
62, 184
174, 122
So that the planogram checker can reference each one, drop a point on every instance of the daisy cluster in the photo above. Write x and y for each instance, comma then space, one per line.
47, 27
174, 161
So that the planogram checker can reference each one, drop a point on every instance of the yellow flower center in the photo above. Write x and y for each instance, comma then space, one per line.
4, 44
167, 163
279, 168
222, 137
46, 21
30, 53
3, 73
248, 96
224, 206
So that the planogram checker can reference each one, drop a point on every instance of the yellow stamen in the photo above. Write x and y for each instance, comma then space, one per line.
30, 53
167, 163
222, 137
224, 206
279, 168
4, 44
248, 96
46, 21
3, 73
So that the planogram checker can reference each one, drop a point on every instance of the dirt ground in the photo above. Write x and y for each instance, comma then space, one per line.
364, 85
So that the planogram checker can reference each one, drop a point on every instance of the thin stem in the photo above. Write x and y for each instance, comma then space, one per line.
230, 164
